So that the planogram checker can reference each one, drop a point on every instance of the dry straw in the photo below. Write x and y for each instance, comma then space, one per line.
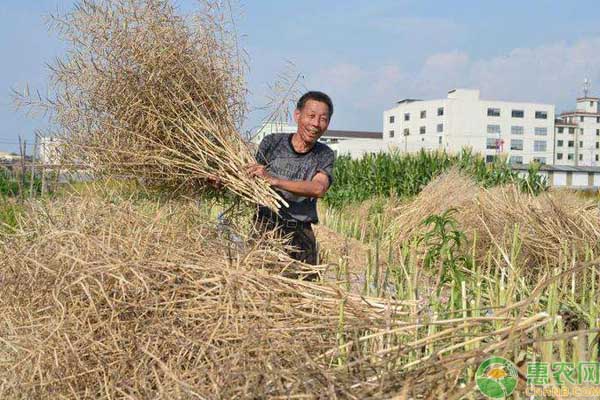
144, 92
550, 227
120, 299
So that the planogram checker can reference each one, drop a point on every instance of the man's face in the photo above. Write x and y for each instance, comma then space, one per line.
312, 120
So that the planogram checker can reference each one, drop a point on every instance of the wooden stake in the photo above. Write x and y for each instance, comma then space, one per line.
32, 176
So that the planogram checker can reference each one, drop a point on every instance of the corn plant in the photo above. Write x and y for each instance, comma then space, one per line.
404, 175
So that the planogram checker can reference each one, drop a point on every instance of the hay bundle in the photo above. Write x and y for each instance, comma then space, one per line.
550, 225
146, 93
109, 299
450, 190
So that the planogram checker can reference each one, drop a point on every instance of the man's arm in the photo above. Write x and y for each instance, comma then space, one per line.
317, 187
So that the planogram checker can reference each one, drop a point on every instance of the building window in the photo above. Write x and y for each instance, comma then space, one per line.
541, 160
423, 114
493, 129
539, 145
406, 131
561, 129
581, 131
516, 160
422, 130
581, 157
493, 112
570, 156
440, 127
598, 145
598, 120
559, 156
559, 143
407, 116
541, 115
541, 131
516, 144
392, 119
518, 113
440, 111
597, 132
492, 143
596, 157
439, 140
591, 104
581, 119
571, 143
580, 143
516, 130
391, 134
571, 130
490, 158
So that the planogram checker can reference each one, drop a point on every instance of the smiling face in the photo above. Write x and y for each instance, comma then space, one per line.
312, 120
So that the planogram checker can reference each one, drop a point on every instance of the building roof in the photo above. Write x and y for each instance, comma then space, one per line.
407, 101
565, 123
558, 168
580, 112
587, 98
353, 134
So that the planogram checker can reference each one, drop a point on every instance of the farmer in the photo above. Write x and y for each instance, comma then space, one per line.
300, 169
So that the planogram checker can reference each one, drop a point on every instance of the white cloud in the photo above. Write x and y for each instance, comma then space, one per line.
552, 73
341, 77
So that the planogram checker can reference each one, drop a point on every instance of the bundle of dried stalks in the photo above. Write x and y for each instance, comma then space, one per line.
145, 92
111, 299
549, 226
450, 190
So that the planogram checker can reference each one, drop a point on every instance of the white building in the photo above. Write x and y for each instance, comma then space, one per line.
353, 143
8, 157
522, 131
48, 150
577, 134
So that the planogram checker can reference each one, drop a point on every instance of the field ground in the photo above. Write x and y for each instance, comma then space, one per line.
110, 291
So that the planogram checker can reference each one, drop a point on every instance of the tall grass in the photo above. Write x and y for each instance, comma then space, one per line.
11, 185
403, 175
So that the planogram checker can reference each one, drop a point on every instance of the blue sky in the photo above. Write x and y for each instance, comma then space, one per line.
366, 55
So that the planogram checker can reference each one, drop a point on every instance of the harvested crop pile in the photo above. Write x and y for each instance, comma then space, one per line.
550, 226
146, 93
114, 299
449, 190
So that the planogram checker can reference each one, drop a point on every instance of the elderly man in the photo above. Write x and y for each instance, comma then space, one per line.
300, 169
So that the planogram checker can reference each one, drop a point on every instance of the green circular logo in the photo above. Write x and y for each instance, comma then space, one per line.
497, 377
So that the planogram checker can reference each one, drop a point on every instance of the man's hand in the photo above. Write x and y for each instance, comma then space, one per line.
261, 172
214, 183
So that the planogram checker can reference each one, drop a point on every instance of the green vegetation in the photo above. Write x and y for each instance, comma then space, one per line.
10, 186
404, 175
9, 212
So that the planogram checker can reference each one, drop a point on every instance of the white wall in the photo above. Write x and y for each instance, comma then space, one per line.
48, 150
356, 148
579, 179
559, 179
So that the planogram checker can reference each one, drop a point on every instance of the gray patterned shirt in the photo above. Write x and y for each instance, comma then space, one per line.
282, 161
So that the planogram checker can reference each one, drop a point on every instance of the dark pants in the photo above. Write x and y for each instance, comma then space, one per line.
302, 237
